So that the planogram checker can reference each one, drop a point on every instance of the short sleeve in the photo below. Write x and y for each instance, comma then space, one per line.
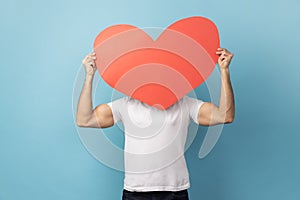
116, 106
193, 106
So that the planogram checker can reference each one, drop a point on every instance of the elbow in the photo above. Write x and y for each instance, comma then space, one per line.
81, 122
229, 119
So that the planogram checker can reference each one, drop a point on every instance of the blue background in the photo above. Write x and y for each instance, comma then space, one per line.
42, 45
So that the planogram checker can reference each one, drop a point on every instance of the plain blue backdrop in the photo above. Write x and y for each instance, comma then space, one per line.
42, 45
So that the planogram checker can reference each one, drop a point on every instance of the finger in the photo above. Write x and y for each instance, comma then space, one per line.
91, 55
225, 54
221, 58
225, 51
222, 53
91, 58
90, 63
221, 50
88, 60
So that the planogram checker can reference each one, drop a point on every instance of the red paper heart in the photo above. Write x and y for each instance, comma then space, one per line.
158, 72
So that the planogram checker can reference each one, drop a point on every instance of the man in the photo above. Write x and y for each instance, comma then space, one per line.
155, 166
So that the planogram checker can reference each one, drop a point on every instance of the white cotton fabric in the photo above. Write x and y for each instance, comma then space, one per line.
154, 143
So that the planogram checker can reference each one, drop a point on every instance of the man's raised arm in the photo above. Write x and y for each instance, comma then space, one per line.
209, 113
101, 116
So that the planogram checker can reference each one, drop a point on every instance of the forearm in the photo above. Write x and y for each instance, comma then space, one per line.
226, 104
85, 105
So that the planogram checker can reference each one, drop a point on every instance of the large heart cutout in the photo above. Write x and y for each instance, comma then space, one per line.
158, 72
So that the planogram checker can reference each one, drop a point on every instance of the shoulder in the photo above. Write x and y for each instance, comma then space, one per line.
119, 102
192, 102
188, 99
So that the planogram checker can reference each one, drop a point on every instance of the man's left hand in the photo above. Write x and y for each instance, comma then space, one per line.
225, 58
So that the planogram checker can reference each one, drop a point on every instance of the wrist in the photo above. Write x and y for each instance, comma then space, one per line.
224, 70
89, 76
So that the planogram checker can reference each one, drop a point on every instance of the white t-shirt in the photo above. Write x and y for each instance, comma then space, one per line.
154, 143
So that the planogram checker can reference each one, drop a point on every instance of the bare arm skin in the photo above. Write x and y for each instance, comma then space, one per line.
210, 114
86, 116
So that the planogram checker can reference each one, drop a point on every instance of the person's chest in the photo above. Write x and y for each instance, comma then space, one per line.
144, 121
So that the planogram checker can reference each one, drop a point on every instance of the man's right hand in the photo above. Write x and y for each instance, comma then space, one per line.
89, 64
86, 116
